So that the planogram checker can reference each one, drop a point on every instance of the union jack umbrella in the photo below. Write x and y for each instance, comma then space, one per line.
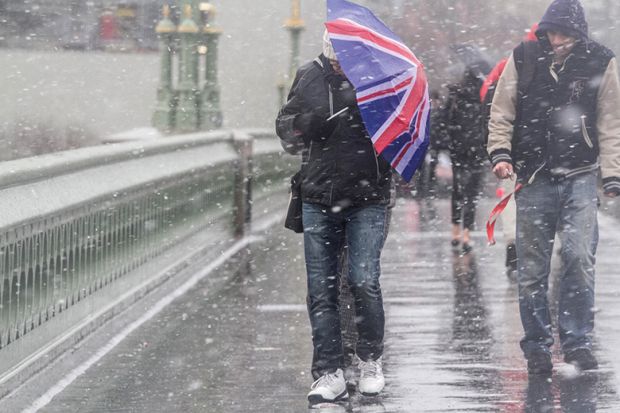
390, 83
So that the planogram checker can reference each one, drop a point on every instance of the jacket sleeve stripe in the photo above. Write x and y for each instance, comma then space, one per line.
611, 184
500, 155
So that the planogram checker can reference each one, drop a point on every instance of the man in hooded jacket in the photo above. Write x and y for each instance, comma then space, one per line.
345, 190
555, 131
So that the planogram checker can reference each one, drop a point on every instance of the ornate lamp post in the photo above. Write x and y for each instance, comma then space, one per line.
163, 118
210, 110
295, 25
187, 108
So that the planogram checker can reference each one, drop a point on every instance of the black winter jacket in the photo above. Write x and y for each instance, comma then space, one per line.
339, 164
463, 112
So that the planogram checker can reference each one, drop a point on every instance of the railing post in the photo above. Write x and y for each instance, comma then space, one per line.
242, 208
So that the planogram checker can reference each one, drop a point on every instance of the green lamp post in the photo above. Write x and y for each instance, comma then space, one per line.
210, 109
163, 117
187, 108
295, 25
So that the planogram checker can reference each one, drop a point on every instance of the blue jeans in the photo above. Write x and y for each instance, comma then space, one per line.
325, 232
567, 207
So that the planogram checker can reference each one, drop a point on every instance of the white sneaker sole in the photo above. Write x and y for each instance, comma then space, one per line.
318, 399
370, 394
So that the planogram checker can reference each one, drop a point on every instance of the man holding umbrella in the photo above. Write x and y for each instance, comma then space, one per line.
346, 182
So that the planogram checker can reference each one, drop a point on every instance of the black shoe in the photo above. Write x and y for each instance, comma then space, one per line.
539, 362
582, 358
455, 243
511, 275
467, 248
511, 257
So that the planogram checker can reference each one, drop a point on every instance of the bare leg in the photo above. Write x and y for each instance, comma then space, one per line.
456, 234
466, 238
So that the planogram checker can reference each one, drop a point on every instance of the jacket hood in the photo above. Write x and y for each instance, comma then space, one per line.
564, 16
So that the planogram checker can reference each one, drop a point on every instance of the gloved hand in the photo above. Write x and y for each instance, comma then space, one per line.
308, 123
314, 126
347, 94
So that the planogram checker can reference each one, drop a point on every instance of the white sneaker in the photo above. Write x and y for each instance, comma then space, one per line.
371, 377
330, 387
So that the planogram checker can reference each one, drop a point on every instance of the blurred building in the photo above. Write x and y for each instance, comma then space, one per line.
79, 24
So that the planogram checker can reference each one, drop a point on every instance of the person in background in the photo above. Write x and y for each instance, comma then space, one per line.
555, 120
467, 153
439, 141
346, 192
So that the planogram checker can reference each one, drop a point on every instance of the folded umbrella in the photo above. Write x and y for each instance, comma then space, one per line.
474, 59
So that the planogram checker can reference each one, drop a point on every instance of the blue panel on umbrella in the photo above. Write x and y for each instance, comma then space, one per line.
375, 113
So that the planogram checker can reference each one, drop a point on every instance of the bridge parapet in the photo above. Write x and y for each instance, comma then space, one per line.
75, 226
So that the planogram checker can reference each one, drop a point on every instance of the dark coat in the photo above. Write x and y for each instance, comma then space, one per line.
340, 165
463, 114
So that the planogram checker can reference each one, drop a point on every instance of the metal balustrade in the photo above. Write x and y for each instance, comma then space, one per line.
72, 224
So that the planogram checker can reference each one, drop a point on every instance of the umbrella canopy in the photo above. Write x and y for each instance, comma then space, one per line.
474, 59
390, 83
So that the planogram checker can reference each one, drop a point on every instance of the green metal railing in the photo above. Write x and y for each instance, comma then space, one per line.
73, 224
48, 265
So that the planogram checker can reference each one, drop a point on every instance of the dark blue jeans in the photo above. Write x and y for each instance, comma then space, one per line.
568, 208
325, 232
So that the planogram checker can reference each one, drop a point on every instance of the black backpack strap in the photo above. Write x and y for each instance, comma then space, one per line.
526, 57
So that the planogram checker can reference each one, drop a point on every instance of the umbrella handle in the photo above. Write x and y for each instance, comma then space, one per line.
340, 112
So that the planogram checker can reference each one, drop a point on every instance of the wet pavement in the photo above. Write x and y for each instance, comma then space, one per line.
239, 341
